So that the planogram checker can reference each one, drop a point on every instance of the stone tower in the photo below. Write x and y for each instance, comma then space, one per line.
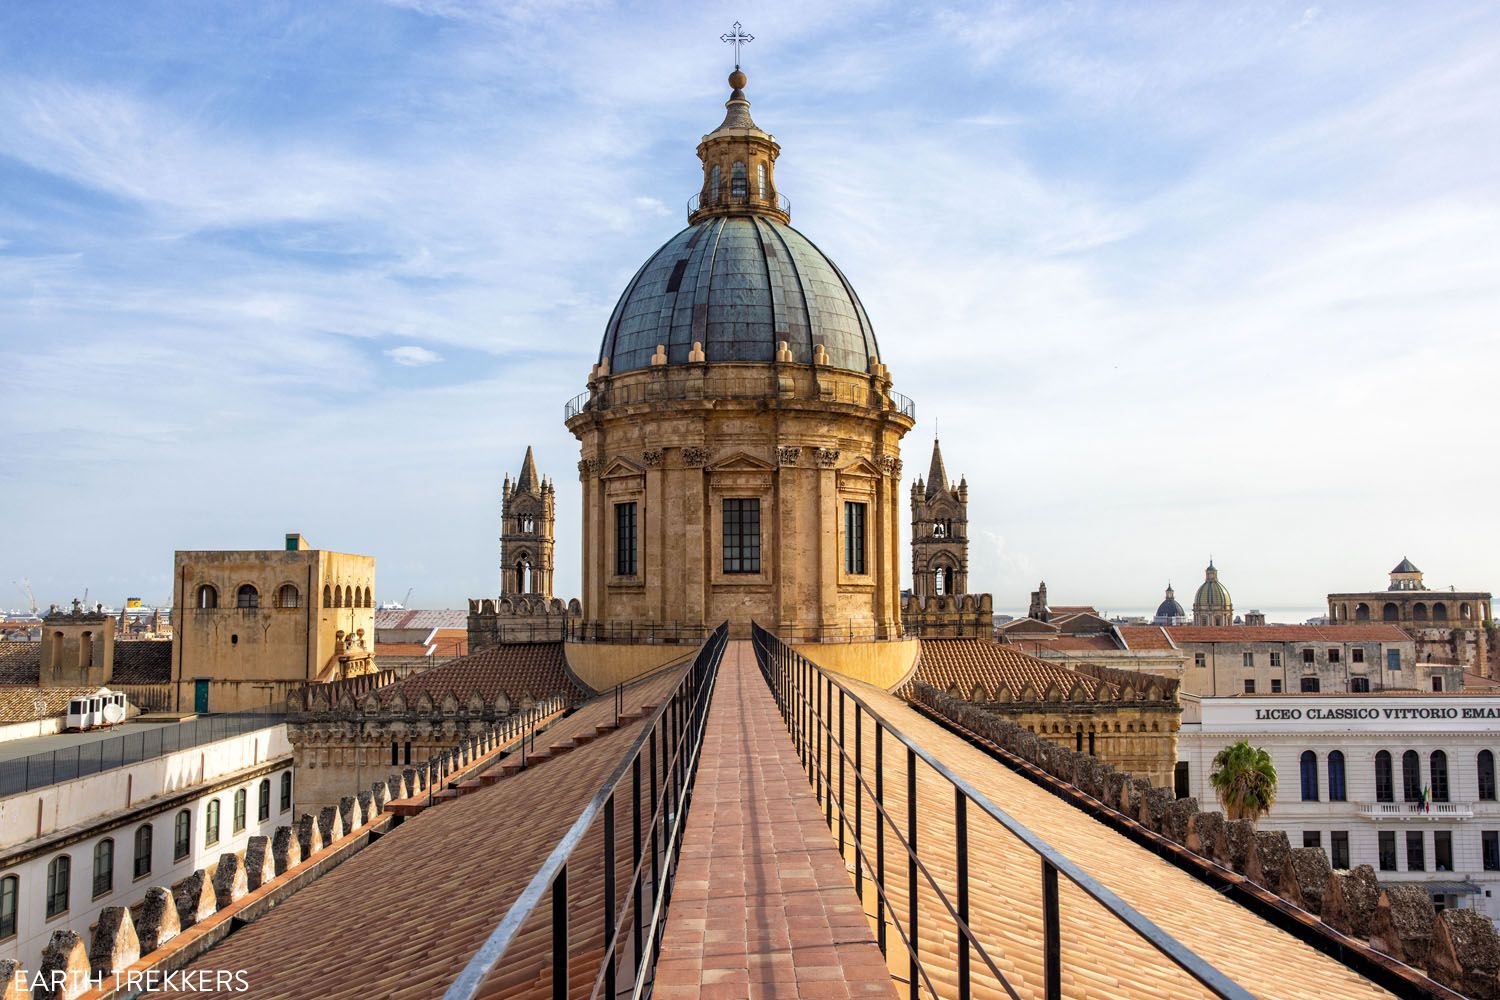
527, 531
939, 532
1212, 604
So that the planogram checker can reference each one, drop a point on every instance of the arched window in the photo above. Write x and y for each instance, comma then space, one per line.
10, 892
937, 583
1385, 788
208, 596
1438, 764
369, 598
1361, 612
1465, 612
239, 809
327, 596
1440, 612
1336, 776
738, 183
1309, 776
713, 185
59, 874
247, 596
349, 597
1390, 612
1411, 776
142, 866
182, 835
286, 790
288, 596
1419, 611
760, 179
263, 804
523, 575
1486, 776
211, 824
104, 866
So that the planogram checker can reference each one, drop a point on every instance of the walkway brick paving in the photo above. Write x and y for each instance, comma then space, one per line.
763, 905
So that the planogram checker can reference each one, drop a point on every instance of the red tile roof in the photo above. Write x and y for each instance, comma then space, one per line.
1145, 637
20, 703
1069, 643
1287, 633
517, 669
20, 662
963, 664
142, 661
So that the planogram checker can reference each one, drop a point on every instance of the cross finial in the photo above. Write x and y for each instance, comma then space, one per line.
737, 36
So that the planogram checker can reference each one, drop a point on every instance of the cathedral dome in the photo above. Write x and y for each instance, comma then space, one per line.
1211, 593
739, 285
1170, 608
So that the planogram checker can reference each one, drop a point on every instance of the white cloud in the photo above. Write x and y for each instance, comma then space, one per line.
412, 356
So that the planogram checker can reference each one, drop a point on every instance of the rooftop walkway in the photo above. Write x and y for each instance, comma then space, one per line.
763, 905
1101, 957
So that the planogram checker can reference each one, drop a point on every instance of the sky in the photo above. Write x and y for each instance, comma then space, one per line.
1170, 280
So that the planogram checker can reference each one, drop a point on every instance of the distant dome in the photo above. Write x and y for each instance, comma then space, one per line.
1211, 594
1170, 609
739, 284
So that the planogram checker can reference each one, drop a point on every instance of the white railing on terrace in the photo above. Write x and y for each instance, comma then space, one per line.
1417, 810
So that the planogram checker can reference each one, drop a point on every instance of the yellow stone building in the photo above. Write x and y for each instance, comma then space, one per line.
252, 626
740, 441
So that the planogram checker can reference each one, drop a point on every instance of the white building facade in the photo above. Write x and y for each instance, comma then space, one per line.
70, 849
1403, 783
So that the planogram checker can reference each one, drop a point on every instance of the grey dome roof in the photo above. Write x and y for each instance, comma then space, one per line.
1170, 609
740, 285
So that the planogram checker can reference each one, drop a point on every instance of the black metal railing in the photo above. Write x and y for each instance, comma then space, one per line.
657, 772
814, 706
608, 395
727, 197
39, 770
685, 633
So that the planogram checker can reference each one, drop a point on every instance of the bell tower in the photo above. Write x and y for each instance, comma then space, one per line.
527, 531
939, 532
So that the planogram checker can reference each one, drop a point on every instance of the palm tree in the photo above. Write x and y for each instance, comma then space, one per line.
1245, 780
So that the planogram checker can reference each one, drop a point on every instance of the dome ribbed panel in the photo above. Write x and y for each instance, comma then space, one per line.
742, 284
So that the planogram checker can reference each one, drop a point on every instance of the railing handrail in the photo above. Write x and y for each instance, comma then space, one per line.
471, 978
608, 395
1186, 959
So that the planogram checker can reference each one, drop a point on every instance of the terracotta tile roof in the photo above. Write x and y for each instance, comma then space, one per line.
1073, 609
412, 618
1028, 625
142, 661
1287, 633
449, 641
1069, 643
28, 704
1101, 958
1476, 681
962, 664
1145, 637
20, 662
400, 649
537, 669
441, 881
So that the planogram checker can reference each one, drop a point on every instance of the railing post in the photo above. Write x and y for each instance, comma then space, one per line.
560, 935
859, 810
609, 896
911, 863
961, 839
880, 831
1051, 943
828, 751
841, 772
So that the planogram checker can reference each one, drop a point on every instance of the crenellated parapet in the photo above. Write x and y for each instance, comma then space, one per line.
958, 616
519, 618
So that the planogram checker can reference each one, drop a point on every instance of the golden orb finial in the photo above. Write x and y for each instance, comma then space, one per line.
737, 79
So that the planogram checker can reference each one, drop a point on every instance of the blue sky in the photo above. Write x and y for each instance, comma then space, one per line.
1171, 279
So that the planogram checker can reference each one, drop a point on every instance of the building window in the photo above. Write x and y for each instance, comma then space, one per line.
1200, 659
288, 596
406, 752
1387, 840
10, 890
1307, 656
742, 535
1486, 776
247, 597
1276, 685
1249, 685
1248, 659
59, 873
1438, 765
208, 596
1437, 684
854, 538
1411, 777
286, 790
1489, 842
1309, 776
1336, 776
104, 867
1312, 838
1393, 659
1416, 859
263, 804
1357, 654
211, 824
760, 178
182, 835
1384, 786
327, 596
239, 810
1359, 685
625, 539
1338, 842
739, 186
1442, 850
1310, 685
1333, 656
715, 179
142, 866
1275, 659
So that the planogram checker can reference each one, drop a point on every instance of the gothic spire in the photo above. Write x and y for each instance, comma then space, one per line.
937, 476
529, 481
